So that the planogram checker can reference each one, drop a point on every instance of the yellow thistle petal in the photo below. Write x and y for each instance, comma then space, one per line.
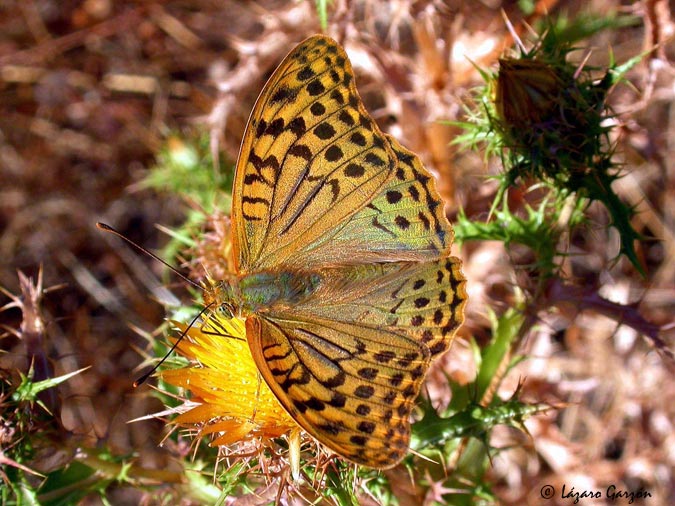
232, 399
294, 443
233, 431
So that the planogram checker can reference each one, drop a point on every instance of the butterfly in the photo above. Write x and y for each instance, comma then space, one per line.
342, 257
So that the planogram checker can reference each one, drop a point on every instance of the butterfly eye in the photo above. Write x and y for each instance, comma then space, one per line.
226, 309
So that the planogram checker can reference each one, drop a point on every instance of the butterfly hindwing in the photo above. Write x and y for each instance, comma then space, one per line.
348, 362
351, 386
423, 300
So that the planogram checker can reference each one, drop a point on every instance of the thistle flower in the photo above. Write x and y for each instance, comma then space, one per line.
232, 400
527, 92
553, 117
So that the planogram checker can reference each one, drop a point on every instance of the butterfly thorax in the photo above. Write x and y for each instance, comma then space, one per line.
257, 292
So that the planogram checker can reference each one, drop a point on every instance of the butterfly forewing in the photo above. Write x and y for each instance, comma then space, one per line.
311, 158
405, 222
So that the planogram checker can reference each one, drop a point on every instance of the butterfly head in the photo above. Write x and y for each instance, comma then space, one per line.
223, 295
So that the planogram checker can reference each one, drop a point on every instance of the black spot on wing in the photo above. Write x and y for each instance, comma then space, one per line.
275, 128
333, 153
324, 130
402, 222
346, 118
358, 139
297, 126
317, 109
316, 88
393, 196
354, 170
301, 151
337, 96
284, 94
305, 74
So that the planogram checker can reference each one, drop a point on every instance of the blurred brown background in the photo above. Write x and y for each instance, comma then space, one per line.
90, 90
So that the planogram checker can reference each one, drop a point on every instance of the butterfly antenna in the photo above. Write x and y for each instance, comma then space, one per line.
108, 228
145, 377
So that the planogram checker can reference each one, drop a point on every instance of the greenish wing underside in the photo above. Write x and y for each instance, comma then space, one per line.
405, 222
424, 300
